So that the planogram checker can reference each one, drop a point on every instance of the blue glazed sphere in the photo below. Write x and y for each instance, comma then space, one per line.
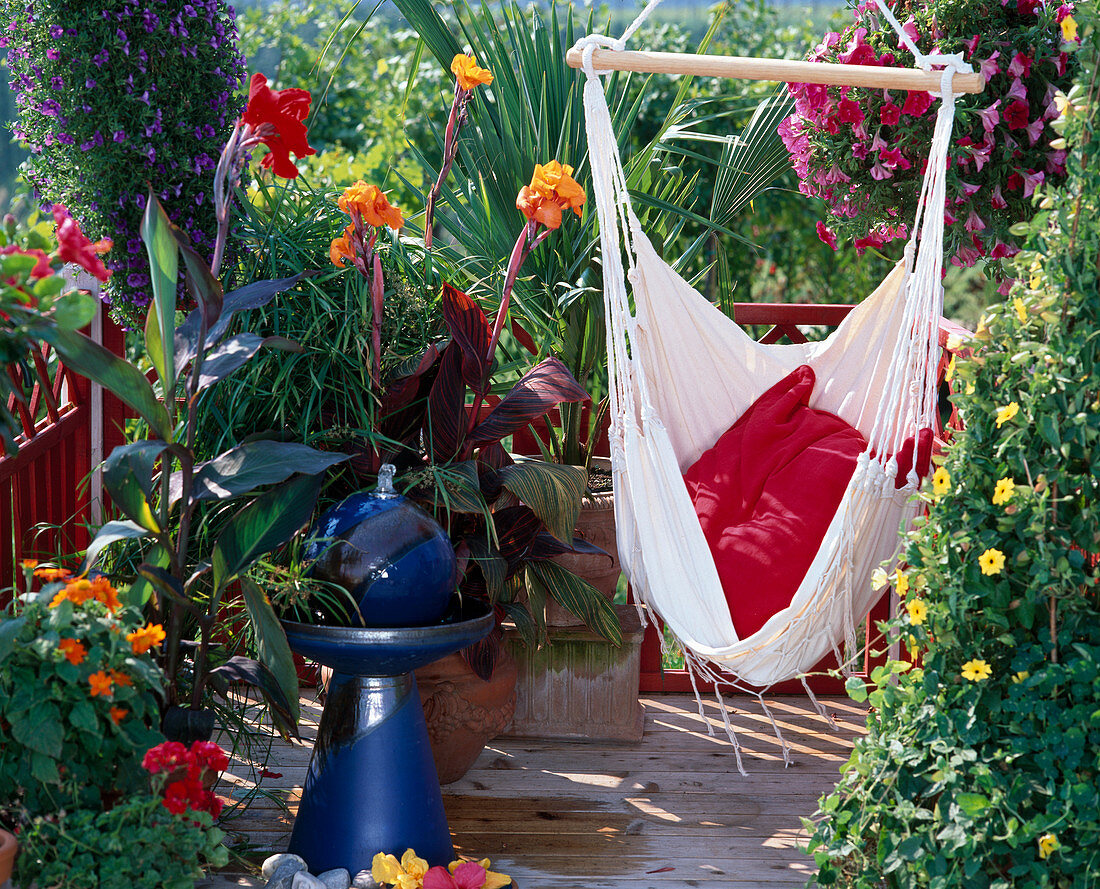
394, 559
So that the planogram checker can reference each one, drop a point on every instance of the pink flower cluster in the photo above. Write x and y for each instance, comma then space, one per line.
864, 151
184, 771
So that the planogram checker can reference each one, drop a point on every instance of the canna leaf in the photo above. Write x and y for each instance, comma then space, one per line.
160, 323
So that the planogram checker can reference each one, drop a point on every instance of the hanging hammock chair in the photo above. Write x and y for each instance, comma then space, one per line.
758, 486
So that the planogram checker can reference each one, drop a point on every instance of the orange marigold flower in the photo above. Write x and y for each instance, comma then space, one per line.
118, 713
145, 638
101, 684
73, 649
79, 591
552, 190
51, 574
371, 205
467, 72
120, 678
102, 591
30, 563
340, 249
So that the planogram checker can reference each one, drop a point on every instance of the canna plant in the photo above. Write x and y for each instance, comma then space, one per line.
160, 486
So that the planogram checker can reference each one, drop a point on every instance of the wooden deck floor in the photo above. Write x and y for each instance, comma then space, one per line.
670, 811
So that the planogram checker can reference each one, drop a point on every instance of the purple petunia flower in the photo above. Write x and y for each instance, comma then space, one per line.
119, 135
52, 54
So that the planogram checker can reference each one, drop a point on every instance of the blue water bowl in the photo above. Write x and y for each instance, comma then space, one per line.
394, 559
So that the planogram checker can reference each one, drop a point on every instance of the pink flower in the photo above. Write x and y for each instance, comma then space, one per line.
1020, 65
871, 240
889, 114
878, 143
1064, 11
1017, 90
917, 103
1056, 162
1005, 287
980, 154
969, 188
910, 28
997, 199
880, 172
974, 222
1035, 130
1027, 7
949, 218
858, 52
468, 875
848, 111
990, 116
894, 159
989, 67
1032, 179
966, 257
1016, 115
1001, 250
826, 235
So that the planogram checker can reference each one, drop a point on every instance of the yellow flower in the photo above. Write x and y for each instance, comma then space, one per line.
1006, 413
901, 584
992, 561
1021, 309
976, 670
918, 611
1048, 842
949, 374
955, 342
468, 74
1069, 34
879, 579
941, 481
1021, 676
408, 873
145, 638
1006, 487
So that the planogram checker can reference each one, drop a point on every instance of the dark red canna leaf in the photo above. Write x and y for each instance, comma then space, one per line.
517, 527
470, 329
545, 386
445, 422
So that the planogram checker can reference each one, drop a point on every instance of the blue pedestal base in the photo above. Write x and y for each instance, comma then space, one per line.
371, 785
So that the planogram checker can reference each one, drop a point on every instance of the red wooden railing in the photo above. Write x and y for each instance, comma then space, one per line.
49, 495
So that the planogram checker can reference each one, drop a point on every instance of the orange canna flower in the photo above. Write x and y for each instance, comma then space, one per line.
73, 649
118, 713
340, 249
468, 74
100, 683
145, 638
552, 190
120, 678
371, 205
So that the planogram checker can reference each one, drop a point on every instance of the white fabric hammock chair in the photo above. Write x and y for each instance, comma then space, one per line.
681, 372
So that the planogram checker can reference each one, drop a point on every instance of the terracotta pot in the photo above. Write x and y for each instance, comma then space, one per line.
463, 711
596, 524
9, 848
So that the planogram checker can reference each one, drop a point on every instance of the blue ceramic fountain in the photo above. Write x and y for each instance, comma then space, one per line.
372, 785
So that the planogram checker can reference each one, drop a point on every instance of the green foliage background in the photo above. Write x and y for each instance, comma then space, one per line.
993, 782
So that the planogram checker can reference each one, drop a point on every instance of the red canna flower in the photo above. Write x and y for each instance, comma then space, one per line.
75, 247
41, 268
278, 117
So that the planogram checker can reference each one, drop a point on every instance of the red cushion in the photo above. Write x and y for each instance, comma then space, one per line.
766, 493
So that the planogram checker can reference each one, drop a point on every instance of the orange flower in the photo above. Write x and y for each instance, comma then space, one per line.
145, 638
101, 684
120, 678
51, 574
340, 249
118, 713
551, 191
102, 591
73, 650
468, 74
371, 205
30, 564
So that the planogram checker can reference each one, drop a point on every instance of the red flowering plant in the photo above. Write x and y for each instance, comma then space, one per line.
862, 150
184, 775
34, 297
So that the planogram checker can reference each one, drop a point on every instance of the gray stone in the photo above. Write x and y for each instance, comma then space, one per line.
305, 880
337, 878
363, 880
273, 864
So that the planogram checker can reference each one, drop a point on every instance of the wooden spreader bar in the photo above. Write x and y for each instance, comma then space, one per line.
780, 70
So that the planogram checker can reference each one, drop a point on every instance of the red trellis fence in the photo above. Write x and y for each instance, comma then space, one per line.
50, 494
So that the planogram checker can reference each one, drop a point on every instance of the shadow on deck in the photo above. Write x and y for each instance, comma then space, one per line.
670, 811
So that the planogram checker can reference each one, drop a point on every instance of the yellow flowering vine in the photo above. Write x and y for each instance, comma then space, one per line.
1048, 843
992, 561
1006, 413
1006, 487
976, 670
918, 611
941, 481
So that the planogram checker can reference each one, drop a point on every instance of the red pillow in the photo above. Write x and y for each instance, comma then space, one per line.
766, 493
